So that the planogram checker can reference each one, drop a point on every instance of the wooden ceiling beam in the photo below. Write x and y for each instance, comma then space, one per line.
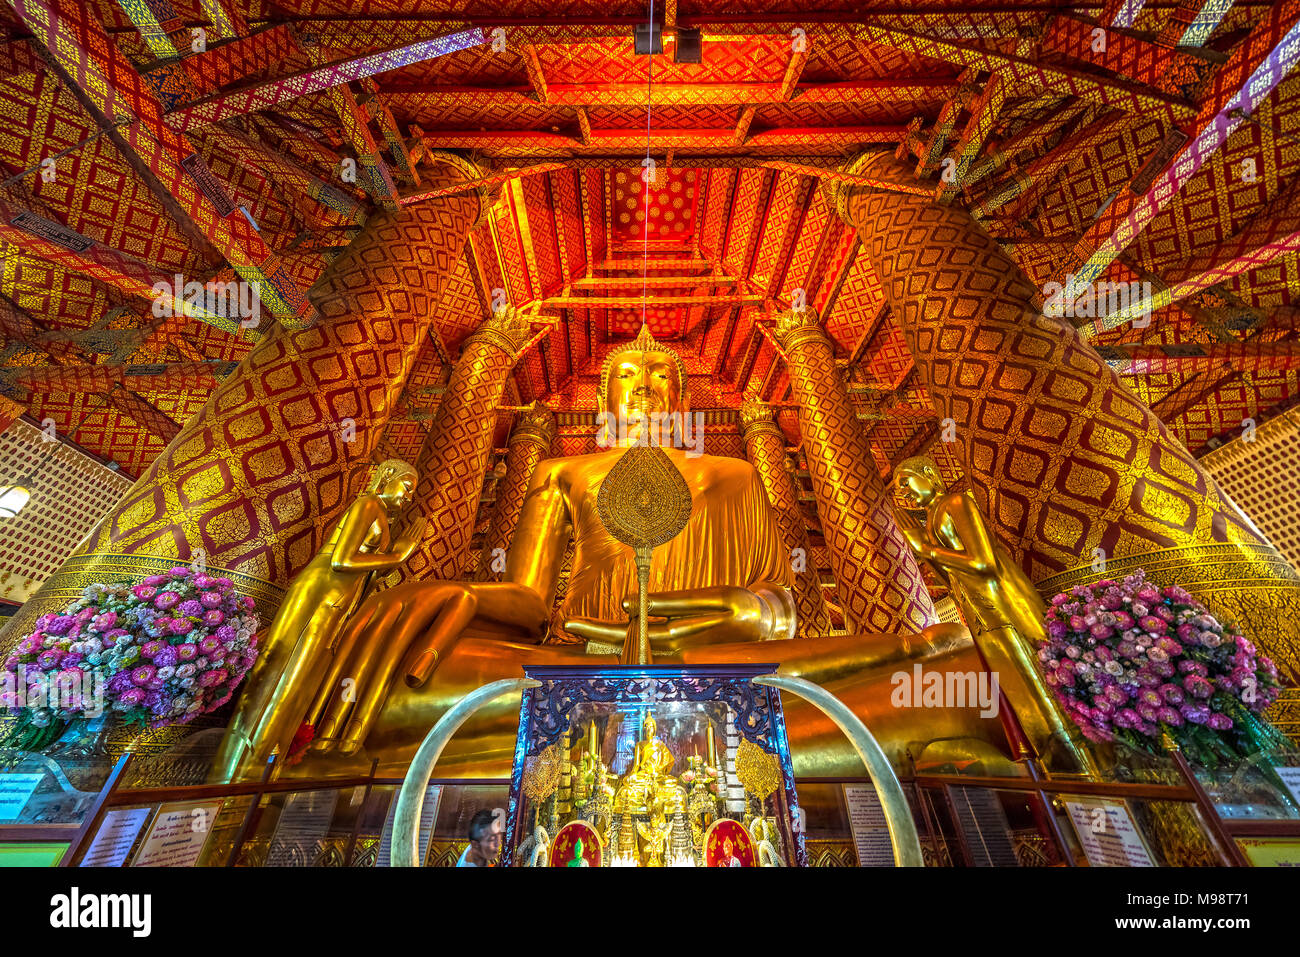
1273, 231
16, 324
325, 74
633, 143
865, 93
1123, 94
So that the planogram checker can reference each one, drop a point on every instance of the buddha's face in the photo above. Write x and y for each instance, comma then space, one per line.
917, 487
645, 382
395, 489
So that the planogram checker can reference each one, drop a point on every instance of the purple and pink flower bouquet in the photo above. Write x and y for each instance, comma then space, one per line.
1129, 660
161, 652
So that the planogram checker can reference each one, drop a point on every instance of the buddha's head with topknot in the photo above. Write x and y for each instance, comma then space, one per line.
643, 376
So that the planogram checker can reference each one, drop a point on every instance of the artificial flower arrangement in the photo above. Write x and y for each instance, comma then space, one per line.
1129, 661
161, 652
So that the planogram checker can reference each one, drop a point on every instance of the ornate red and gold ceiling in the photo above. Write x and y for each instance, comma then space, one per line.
638, 188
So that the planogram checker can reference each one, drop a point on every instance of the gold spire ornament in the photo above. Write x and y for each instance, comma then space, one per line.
643, 503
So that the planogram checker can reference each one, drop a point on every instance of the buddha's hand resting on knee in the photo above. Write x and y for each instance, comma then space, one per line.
720, 613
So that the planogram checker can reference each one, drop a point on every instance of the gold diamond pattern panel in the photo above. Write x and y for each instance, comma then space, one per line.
255, 479
530, 442
765, 445
1070, 465
454, 456
878, 581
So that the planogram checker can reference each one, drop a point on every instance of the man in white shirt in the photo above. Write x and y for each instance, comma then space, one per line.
484, 841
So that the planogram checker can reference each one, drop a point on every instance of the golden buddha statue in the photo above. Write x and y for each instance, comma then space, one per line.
719, 593
648, 785
587, 779
997, 598
294, 649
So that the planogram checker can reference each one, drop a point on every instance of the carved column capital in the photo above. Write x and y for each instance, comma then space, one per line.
757, 416
506, 329
797, 326
488, 196
537, 425
837, 192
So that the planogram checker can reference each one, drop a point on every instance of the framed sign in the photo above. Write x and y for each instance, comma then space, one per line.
15, 791
867, 821
1107, 833
576, 845
728, 844
116, 836
31, 855
304, 821
1270, 851
428, 814
178, 834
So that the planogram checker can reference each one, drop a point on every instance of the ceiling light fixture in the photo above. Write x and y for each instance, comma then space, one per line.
648, 38
688, 46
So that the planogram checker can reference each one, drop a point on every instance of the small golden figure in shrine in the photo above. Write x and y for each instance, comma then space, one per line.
649, 785
655, 836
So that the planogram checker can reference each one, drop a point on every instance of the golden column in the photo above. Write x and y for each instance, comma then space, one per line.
453, 459
765, 445
252, 482
878, 581
529, 443
1072, 468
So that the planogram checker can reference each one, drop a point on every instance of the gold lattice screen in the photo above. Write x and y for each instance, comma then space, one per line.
70, 493
1262, 475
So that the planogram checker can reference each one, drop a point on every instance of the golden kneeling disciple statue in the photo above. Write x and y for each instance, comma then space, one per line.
292, 652
719, 593
997, 598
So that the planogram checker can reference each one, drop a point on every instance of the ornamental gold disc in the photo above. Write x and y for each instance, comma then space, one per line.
644, 501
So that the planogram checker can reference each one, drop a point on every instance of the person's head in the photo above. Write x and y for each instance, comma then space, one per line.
484, 835
393, 483
644, 377
727, 846
917, 481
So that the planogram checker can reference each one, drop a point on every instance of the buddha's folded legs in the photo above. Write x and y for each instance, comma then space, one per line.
858, 669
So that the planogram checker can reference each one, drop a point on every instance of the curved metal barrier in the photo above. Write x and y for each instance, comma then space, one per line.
405, 848
902, 829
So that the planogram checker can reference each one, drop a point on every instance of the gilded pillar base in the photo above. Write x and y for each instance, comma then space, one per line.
1252, 586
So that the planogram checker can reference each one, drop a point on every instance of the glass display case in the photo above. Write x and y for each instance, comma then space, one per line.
652, 766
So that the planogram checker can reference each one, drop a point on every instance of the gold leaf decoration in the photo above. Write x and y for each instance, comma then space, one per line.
757, 770
542, 774
644, 501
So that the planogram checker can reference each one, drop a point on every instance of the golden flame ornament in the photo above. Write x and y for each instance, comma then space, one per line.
643, 502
